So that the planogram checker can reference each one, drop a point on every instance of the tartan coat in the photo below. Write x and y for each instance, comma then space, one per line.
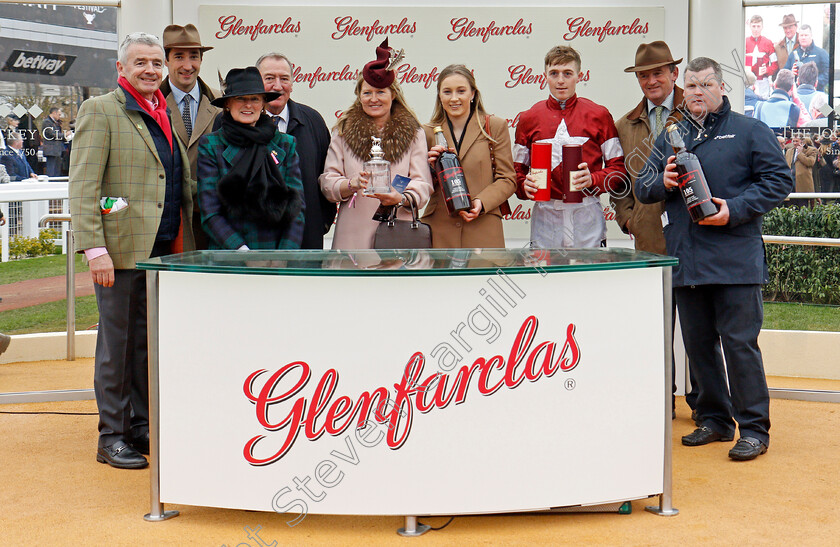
216, 157
114, 155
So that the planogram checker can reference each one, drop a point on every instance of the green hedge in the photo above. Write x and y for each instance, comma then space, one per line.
22, 247
801, 273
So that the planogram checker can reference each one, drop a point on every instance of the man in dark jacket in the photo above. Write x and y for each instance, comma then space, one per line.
53, 142
722, 265
313, 141
807, 51
14, 160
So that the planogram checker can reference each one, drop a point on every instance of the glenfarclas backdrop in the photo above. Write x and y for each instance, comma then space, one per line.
504, 46
518, 395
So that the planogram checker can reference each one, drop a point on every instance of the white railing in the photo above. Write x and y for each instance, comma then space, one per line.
826, 396
31, 192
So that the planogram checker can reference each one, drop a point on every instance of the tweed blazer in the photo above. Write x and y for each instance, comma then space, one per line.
114, 155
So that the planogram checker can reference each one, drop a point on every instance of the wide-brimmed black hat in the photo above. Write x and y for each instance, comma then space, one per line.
243, 81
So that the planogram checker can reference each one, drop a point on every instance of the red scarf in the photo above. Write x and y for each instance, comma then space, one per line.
158, 114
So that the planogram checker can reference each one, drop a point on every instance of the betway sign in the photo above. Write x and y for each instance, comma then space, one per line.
33, 62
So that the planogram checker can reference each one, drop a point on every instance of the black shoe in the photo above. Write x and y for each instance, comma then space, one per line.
121, 455
704, 435
141, 443
747, 448
694, 417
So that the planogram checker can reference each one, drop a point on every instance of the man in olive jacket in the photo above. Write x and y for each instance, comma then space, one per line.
656, 71
130, 199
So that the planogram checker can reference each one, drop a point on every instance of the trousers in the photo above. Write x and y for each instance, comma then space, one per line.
120, 377
555, 224
728, 317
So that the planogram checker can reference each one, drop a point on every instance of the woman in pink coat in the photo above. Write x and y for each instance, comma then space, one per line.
379, 110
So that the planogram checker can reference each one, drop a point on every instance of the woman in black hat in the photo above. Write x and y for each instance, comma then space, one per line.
379, 110
249, 185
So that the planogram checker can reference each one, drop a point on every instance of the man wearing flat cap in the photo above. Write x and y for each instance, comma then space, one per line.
188, 97
656, 72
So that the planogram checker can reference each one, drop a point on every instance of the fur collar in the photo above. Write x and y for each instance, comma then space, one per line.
397, 135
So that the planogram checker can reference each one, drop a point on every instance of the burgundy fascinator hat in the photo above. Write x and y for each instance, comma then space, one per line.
380, 72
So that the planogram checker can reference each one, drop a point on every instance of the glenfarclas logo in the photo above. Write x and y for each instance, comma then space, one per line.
518, 213
513, 122
322, 413
231, 25
408, 74
33, 62
320, 75
580, 27
466, 28
348, 26
522, 75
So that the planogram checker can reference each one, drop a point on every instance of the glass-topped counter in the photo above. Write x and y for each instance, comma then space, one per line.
412, 262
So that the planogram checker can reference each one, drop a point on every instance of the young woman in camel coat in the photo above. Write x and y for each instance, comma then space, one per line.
469, 130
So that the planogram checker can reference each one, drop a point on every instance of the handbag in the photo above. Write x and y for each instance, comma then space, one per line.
504, 208
403, 234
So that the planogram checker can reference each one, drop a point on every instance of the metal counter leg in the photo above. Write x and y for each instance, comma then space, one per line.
412, 529
157, 512
665, 508
70, 249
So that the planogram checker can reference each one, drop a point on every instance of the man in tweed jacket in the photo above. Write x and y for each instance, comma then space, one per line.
130, 199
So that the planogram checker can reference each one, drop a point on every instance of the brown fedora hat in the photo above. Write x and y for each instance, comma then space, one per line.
186, 37
788, 19
652, 55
